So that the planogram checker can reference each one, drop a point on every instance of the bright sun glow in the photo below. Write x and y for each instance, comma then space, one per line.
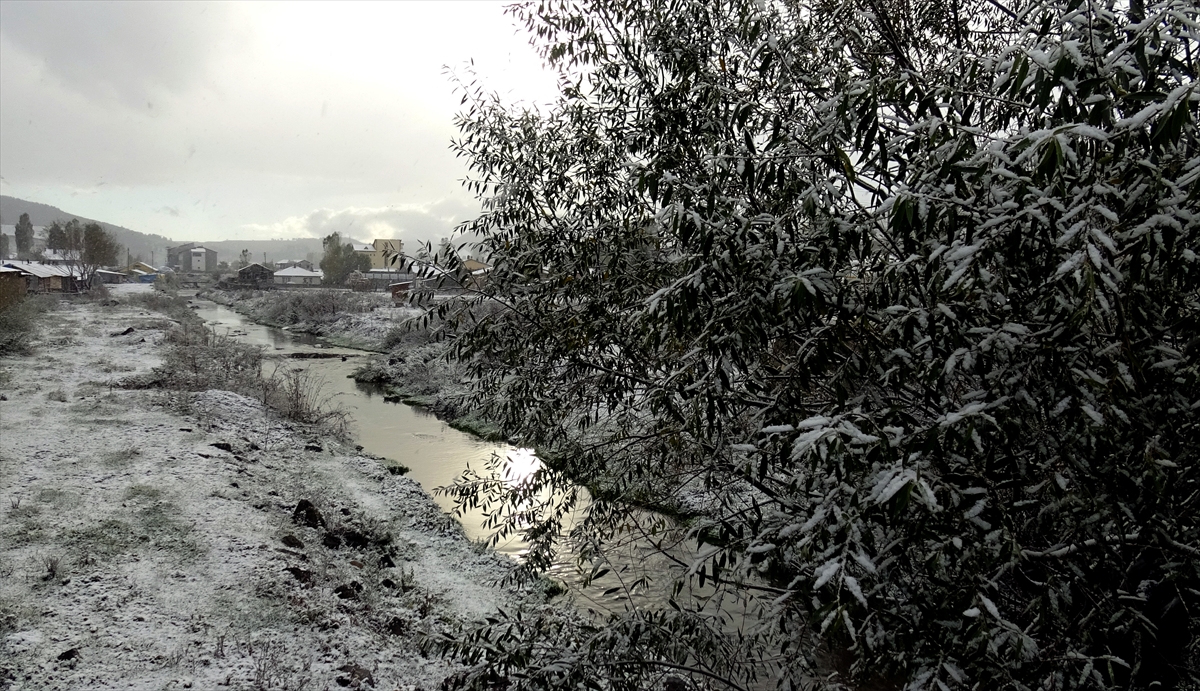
404, 46
520, 466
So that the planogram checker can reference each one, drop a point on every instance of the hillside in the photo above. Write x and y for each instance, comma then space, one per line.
136, 243
150, 246
276, 250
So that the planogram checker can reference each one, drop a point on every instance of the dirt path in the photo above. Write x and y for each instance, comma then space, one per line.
150, 541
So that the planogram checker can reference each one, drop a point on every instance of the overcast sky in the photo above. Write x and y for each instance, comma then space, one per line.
250, 121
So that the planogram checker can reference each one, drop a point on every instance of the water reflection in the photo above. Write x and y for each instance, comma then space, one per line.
436, 454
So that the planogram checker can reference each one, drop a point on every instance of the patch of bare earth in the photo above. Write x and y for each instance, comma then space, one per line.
154, 540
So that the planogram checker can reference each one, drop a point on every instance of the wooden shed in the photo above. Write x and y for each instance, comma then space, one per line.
254, 274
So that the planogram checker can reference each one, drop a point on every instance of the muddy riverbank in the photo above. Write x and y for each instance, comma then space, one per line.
436, 452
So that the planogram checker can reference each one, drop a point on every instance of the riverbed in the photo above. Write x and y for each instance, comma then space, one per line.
435, 453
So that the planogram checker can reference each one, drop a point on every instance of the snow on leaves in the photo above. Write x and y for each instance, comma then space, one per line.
912, 299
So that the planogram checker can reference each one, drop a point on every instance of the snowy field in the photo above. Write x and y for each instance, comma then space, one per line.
152, 541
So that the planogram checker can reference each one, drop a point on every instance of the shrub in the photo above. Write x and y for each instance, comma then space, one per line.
909, 289
12, 292
198, 359
18, 324
298, 394
161, 301
286, 307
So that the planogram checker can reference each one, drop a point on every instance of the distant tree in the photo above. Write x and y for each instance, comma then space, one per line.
97, 249
3, 247
340, 260
56, 237
72, 238
331, 262
244, 260
24, 237
423, 253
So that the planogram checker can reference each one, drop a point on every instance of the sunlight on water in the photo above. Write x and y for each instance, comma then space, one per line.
520, 466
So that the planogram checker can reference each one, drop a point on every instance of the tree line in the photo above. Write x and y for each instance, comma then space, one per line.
88, 246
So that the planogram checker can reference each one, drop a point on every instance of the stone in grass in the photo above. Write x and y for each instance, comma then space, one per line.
308, 514
397, 626
72, 654
349, 591
313, 446
331, 541
355, 539
304, 576
356, 675
292, 541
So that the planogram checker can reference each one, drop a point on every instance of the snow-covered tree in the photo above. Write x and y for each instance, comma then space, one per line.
907, 290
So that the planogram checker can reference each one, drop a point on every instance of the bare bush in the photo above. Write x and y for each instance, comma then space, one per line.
198, 359
299, 394
18, 324
161, 301
315, 306
12, 292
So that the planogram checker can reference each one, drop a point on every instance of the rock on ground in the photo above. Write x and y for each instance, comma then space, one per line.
148, 538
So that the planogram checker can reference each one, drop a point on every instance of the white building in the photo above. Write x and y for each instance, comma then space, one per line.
297, 276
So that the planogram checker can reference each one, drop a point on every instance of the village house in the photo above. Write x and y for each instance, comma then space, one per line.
12, 286
107, 276
439, 279
49, 278
289, 263
60, 257
140, 266
363, 248
298, 277
192, 258
141, 272
384, 252
254, 274
474, 266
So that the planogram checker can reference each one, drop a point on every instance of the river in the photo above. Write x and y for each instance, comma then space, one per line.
436, 454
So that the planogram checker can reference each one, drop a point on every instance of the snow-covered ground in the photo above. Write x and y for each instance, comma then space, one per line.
151, 541
366, 330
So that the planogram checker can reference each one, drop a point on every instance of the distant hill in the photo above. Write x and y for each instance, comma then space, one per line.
136, 243
148, 245
276, 250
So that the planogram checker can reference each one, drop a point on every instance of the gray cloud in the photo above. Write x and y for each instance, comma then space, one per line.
206, 121
133, 52
412, 224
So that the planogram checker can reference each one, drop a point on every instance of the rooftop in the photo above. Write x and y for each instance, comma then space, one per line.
44, 270
297, 271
